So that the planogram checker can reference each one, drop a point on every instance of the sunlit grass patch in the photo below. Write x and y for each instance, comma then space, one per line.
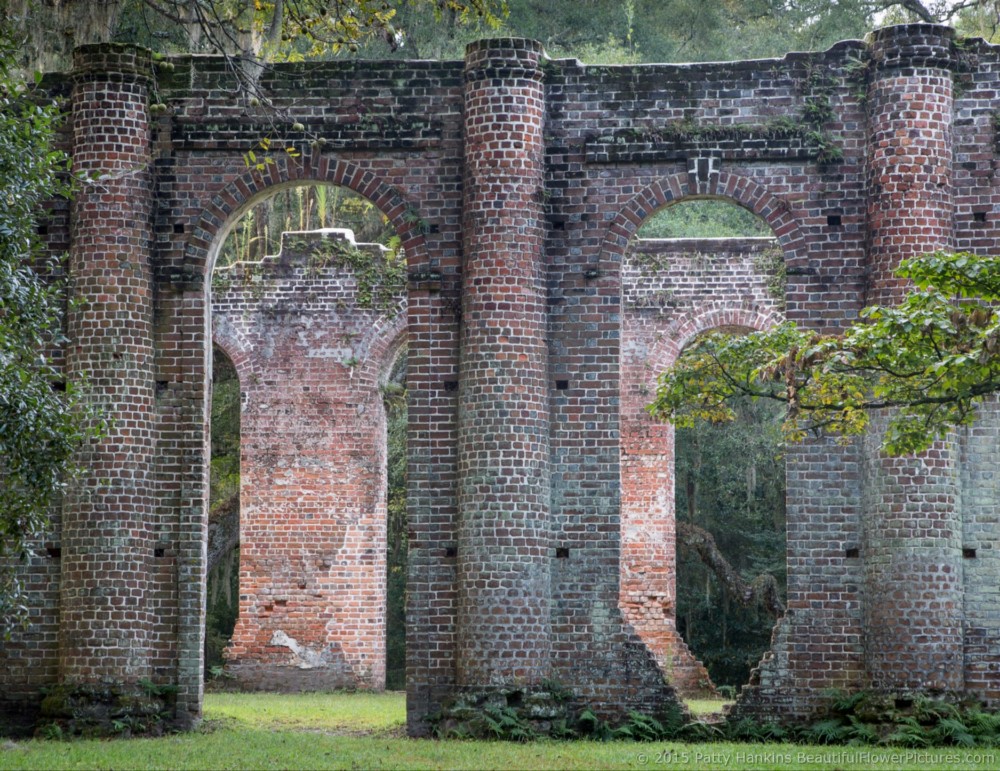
701, 707
333, 712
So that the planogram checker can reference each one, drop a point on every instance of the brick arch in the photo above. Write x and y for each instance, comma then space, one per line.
676, 188
226, 206
232, 342
389, 335
692, 325
650, 343
313, 521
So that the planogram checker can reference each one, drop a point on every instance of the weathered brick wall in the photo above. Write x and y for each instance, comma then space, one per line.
312, 345
504, 564
304, 471
911, 533
674, 290
616, 143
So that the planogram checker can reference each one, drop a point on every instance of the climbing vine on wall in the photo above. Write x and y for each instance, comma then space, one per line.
381, 279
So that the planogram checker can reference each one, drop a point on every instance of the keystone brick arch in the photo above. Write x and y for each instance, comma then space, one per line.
695, 324
240, 194
726, 186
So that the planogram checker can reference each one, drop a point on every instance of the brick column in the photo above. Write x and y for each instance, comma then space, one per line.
503, 560
911, 517
108, 524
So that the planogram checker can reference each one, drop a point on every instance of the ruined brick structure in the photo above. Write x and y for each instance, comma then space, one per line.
311, 354
311, 361
673, 291
516, 184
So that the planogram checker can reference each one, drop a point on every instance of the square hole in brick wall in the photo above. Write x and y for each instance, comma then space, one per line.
450, 385
562, 385
968, 553
450, 552
833, 220
852, 553
178, 227
562, 553
979, 216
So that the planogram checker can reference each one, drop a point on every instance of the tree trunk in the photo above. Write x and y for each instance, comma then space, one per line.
762, 591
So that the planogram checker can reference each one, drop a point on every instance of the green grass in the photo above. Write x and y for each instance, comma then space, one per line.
700, 707
266, 731
365, 713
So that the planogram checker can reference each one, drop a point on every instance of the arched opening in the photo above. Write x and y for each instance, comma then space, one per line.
708, 500
313, 318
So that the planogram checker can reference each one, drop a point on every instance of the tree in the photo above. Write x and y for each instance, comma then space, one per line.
254, 30
928, 362
730, 495
40, 425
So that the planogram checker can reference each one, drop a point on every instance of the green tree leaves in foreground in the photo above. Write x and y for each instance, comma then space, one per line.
39, 427
933, 357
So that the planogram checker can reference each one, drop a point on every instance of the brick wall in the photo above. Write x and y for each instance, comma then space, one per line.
674, 290
448, 155
311, 358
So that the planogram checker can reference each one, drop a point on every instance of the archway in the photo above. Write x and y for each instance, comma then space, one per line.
318, 323
727, 273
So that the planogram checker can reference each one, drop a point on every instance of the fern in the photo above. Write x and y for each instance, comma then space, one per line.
587, 721
592, 727
562, 730
773, 732
700, 732
844, 702
985, 726
830, 731
642, 728
506, 723
929, 711
951, 730
861, 732
908, 733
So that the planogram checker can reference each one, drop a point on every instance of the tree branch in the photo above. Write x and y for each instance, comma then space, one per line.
761, 592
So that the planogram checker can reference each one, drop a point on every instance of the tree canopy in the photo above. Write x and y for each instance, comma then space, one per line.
596, 31
933, 358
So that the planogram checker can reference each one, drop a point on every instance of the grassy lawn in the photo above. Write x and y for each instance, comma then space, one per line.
702, 707
352, 731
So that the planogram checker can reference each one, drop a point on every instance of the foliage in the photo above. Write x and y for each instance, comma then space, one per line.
706, 218
363, 730
264, 30
41, 423
917, 721
305, 207
933, 358
730, 482
224, 496
380, 279
105, 710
